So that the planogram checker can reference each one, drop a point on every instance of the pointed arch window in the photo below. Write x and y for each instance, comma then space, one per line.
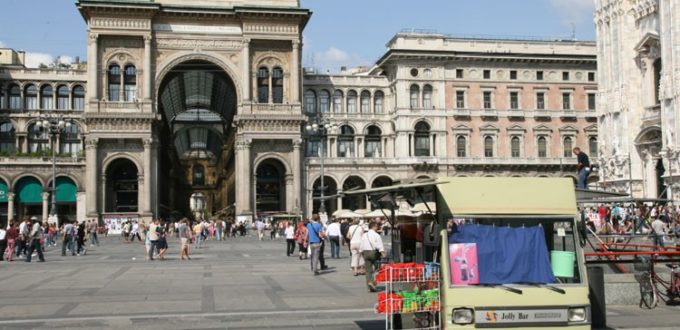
277, 85
114, 83
14, 97
351, 102
346, 142
372, 144
310, 101
542, 147
263, 85
461, 146
324, 99
62, 97
46, 97
31, 97
365, 102
427, 97
337, 101
378, 102
515, 147
422, 139
130, 83
7, 137
415, 94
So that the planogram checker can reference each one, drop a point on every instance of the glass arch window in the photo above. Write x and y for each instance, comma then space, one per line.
427, 97
324, 100
337, 101
277, 85
592, 146
310, 101
542, 147
130, 83
567, 145
488, 146
198, 175
46, 97
351, 102
461, 146
14, 97
515, 147
378, 102
62, 97
263, 85
78, 98
346, 142
69, 140
31, 97
7, 137
365, 102
114, 83
415, 94
38, 139
422, 139
372, 144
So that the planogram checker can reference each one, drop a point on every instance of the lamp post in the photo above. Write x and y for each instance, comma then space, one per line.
53, 124
319, 127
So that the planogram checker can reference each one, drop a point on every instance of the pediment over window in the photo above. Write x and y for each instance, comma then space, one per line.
462, 129
543, 129
591, 129
516, 129
568, 129
488, 127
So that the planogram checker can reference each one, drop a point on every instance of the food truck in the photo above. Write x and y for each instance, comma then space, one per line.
511, 254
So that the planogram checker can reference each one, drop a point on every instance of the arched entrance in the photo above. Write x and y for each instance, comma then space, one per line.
354, 202
270, 188
331, 186
66, 197
649, 145
198, 101
381, 181
28, 197
122, 190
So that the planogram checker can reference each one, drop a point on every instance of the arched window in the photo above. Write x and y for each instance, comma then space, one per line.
7, 137
310, 101
62, 97
31, 97
130, 82
372, 144
78, 98
592, 147
14, 97
38, 139
263, 85
198, 175
567, 146
351, 101
346, 142
378, 101
415, 94
422, 139
542, 147
514, 147
337, 101
365, 102
46, 97
324, 101
427, 97
488, 146
461, 146
277, 85
69, 140
114, 83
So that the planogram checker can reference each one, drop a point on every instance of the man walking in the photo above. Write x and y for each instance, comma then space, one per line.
315, 237
334, 234
153, 233
92, 228
372, 250
24, 229
583, 167
34, 242
67, 239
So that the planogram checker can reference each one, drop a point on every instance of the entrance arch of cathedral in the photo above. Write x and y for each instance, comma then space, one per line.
649, 144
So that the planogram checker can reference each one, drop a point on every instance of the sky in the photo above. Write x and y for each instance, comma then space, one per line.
340, 32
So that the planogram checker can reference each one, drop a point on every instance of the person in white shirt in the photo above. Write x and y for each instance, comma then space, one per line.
354, 234
372, 250
290, 239
334, 235
659, 230
3, 243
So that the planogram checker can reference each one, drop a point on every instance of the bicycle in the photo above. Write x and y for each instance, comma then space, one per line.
653, 287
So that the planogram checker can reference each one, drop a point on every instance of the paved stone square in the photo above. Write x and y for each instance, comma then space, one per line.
238, 283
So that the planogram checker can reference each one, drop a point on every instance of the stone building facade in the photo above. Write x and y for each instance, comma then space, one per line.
639, 86
209, 96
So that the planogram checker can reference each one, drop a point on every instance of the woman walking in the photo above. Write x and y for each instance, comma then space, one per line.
301, 239
162, 241
12, 236
290, 239
185, 235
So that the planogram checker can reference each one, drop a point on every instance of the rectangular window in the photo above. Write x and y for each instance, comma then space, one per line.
422, 146
591, 102
372, 149
459, 73
565, 75
566, 101
513, 75
487, 74
313, 148
346, 149
460, 99
114, 92
487, 100
591, 76
514, 100
130, 93
539, 75
540, 101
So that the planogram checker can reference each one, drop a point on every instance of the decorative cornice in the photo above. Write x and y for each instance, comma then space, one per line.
198, 44
120, 23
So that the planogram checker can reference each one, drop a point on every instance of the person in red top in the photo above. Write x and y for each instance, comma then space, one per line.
602, 211
12, 236
301, 239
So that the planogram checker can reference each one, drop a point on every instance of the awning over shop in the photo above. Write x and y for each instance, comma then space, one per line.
3, 191
66, 190
29, 190
511, 196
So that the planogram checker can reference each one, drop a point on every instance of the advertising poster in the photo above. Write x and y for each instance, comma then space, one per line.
463, 259
114, 222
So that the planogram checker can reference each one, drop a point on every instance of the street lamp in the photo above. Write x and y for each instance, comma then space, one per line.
53, 124
197, 205
320, 127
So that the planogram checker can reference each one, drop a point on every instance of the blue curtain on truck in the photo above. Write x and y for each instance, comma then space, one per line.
507, 254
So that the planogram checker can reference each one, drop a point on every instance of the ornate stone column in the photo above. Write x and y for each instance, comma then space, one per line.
10, 207
148, 77
104, 193
243, 177
297, 174
295, 72
290, 192
91, 171
141, 200
92, 68
45, 205
145, 201
245, 54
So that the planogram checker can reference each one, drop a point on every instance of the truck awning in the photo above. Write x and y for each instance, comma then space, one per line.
470, 196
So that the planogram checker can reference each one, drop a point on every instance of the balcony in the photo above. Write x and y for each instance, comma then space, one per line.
489, 114
542, 115
652, 116
568, 115
515, 114
461, 113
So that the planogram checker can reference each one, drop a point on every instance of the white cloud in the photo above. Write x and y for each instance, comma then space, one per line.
574, 11
34, 60
2, 44
334, 58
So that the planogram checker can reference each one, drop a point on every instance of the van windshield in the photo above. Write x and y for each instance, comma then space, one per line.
498, 251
